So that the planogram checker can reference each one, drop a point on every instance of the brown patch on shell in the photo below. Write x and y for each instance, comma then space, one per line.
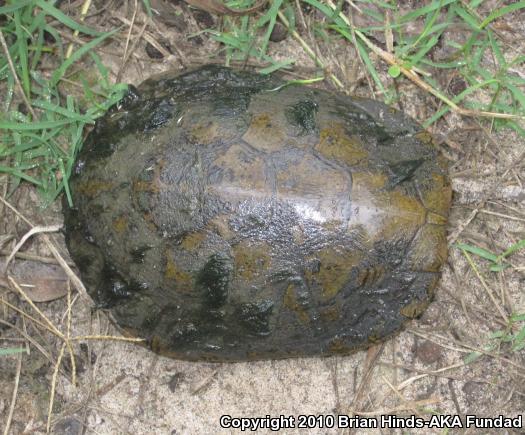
366, 182
414, 309
120, 224
334, 270
439, 195
290, 302
193, 241
251, 259
220, 226
309, 178
336, 144
92, 188
206, 134
245, 172
404, 214
145, 186
173, 272
337, 346
331, 314
265, 133
429, 250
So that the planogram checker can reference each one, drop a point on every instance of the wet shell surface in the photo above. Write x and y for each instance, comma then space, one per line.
223, 216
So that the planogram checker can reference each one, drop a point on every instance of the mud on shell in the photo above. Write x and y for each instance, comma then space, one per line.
224, 217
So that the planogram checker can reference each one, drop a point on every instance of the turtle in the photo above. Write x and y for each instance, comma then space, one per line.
225, 215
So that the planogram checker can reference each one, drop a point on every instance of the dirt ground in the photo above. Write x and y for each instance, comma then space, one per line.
124, 388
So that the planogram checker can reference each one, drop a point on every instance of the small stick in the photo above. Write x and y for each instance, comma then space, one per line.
15, 393
83, 13
34, 230
74, 279
53, 386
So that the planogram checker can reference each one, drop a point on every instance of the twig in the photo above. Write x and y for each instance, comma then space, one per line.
485, 286
126, 45
15, 393
53, 386
32, 257
409, 406
50, 324
32, 231
399, 395
83, 13
74, 278
372, 358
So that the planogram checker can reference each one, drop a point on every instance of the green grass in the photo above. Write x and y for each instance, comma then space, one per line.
497, 262
41, 149
247, 38
512, 339
12, 351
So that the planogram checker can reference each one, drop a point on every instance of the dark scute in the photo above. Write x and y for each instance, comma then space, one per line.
131, 96
113, 288
302, 115
138, 253
184, 334
255, 317
214, 278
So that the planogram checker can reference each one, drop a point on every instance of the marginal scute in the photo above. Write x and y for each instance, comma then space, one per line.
429, 249
437, 194
223, 216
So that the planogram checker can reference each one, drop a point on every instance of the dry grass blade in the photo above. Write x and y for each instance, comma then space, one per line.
74, 278
53, 386
29, 340
15, 393
83, 13
133, 47
107, 337
372, 358
399, 395
486, 287
27, 256
412, 379
31, 232
126, 45
308, 50
412, 75
48, 322
407, 407
218, 8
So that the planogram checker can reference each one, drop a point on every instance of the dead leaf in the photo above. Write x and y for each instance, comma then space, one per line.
41, 282
218, 8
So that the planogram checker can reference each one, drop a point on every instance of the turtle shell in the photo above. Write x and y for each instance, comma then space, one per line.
224, 215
